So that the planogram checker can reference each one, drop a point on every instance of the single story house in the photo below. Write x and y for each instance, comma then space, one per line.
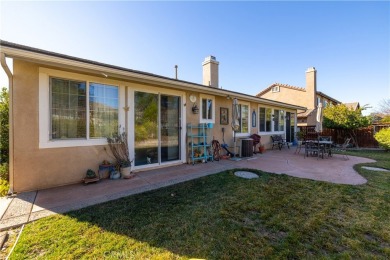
62, 108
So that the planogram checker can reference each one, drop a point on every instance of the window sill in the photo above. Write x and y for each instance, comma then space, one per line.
242, 134
272, 133
202, 121
72, 143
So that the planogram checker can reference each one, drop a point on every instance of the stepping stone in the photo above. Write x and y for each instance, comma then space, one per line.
246, 175
375, 169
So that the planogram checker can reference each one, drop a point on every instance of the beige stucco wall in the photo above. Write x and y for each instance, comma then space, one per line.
216, 132
36, 168
290, 96
39, 168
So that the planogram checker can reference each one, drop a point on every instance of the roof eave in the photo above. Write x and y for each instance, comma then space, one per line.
64, 61
328, 97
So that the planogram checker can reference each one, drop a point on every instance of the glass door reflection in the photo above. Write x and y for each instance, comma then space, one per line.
146, 128
170, 128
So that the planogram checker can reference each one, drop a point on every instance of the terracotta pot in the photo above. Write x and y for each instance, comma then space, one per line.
261, 149
126, 172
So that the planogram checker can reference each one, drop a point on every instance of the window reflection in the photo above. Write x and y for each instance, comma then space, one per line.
103, 113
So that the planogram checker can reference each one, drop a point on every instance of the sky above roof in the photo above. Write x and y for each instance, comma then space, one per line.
256, 43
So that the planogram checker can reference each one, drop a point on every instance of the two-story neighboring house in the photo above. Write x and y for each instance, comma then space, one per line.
307, 97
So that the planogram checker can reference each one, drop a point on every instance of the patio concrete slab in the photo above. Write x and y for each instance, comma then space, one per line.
4, 203
30, 206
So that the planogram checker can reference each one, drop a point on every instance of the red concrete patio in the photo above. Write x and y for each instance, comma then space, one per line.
29, 206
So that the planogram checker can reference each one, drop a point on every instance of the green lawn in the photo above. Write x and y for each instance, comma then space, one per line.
226, 217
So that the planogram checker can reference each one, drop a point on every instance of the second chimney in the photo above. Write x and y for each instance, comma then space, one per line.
210, 72
311, 87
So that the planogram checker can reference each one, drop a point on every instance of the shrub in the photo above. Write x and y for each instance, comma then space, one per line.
383, 138
4, 130
4, 171
4, 185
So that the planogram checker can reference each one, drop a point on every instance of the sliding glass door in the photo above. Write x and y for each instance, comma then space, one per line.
156, 128
170, 128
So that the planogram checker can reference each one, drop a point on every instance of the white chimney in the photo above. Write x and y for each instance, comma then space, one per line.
210, 72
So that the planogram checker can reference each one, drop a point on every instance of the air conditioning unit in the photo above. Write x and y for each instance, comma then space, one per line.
246, 147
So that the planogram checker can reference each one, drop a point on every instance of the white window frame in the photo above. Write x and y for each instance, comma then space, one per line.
272, 120
319, 100
279, 120
272, 125
44, 108
131, 136
275, 89
249, 120
202, 120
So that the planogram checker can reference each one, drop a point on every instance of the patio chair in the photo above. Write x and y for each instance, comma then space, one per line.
313, 148
342, 149
279, 141
327, 147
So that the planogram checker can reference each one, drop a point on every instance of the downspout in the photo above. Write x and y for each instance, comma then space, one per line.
10, 123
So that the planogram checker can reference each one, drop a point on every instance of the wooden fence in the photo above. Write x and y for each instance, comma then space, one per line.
364, 136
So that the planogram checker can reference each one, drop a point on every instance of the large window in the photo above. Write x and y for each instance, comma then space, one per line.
271, 120
68, 109
69, 99
244, 118
103, 110
265, 119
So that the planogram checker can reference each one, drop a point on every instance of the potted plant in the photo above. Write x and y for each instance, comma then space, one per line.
120, 150
261, 148
115, 174
300, 136
90, 174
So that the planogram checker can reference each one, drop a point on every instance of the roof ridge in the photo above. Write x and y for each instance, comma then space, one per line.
280, 85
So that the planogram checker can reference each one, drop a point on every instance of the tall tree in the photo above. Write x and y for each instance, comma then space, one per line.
384, 110
4, 125
342, 117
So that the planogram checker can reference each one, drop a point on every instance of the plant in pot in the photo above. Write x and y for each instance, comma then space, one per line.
90, 174
261, 148
115, 174
120, 150
301, 136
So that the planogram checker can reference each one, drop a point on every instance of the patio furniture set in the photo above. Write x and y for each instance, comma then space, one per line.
321, 147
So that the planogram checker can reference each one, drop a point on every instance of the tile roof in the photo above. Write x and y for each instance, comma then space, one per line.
280, 85
353, 105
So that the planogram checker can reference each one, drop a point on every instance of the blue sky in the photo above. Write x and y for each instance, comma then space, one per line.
256, 43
